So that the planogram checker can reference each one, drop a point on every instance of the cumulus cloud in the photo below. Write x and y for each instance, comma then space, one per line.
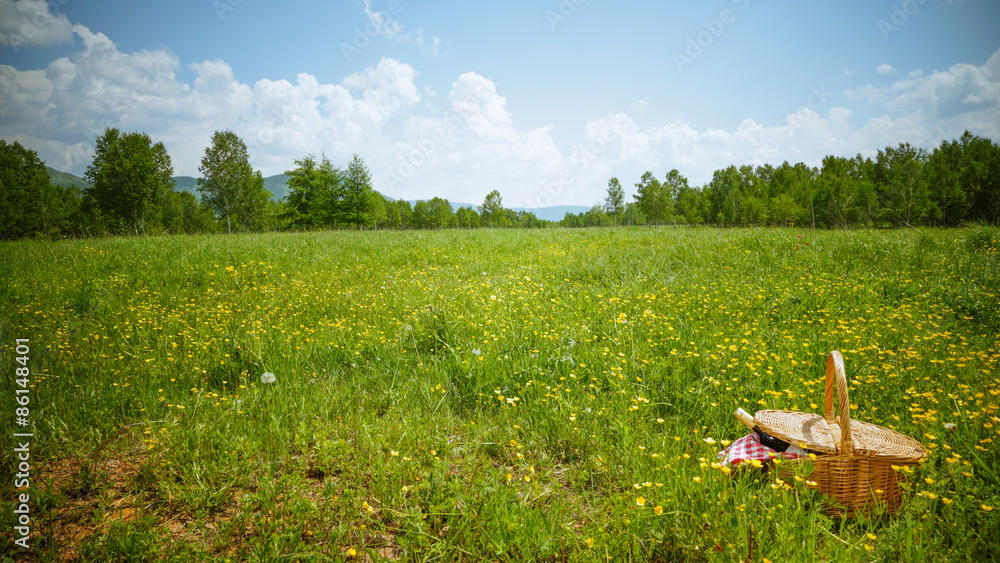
386, 88
62, 109
884, 69
965, 96
461, 150
615, 145
29, 23
923, 109
471, 148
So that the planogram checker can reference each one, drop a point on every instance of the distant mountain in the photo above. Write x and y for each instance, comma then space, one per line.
552, 213
59, 178
278, 186
187, 184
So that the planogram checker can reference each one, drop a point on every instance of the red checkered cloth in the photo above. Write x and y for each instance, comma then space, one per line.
748, 448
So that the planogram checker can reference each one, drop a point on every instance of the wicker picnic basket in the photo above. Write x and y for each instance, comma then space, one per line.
854, 461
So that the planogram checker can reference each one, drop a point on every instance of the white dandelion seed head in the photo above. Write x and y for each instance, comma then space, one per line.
267, 377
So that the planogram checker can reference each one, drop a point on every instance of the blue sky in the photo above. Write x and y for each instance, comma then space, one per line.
544, 101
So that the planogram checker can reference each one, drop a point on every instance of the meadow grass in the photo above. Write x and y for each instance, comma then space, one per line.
554, 395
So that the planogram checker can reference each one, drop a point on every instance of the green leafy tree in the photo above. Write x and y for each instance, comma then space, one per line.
943, 175
316, 192
61, 211
722, 197
649, 198
229, 185
301, 193
783, 209
963, 177
492, 211
392, 216
529, 220
440, 212
421, 215
24, 189
405, 214
901, 186
275, 212
595, 217
632, 215
467, 218
981, 177
690, 206
798, 184
670, 189
844, 195
129, 177
252, 209
614, 204
752, 192
378, 206
181, 212
357, 193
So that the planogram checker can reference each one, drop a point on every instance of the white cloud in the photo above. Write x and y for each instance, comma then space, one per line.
462, 149
884, 69
386, 87
962, 97
28, 23
62, 109
920, 109
470, 149
381, 22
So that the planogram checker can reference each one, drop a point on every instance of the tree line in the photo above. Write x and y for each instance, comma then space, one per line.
131, 191
957, 183
322, 196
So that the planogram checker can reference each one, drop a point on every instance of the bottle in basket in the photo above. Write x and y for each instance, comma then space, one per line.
766, 439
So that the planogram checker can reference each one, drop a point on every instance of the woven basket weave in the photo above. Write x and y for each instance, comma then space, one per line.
854, 465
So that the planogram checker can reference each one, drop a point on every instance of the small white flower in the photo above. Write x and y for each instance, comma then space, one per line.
267, 377
475, 351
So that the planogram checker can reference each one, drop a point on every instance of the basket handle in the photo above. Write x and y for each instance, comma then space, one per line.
835, 376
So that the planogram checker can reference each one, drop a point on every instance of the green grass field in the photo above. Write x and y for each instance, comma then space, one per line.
553, 395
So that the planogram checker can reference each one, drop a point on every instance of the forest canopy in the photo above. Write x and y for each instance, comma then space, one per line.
130, 191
